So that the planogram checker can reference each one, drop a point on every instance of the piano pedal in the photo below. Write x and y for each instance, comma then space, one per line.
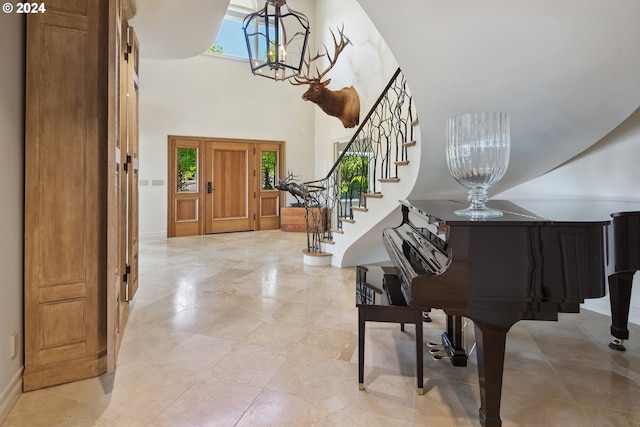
436, 350
441, 356
435, 344
617, 344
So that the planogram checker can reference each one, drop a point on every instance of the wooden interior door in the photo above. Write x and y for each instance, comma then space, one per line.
67, 183
132, 164
118, 206
184, 187
118, 232
230, 186
270, 170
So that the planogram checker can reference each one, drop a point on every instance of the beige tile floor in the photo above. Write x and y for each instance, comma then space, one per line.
234, 330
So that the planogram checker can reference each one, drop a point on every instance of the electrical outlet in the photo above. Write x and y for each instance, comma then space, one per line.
14, 344
143, 182
157, 182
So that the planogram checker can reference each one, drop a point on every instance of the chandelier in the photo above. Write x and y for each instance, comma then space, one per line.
276, 40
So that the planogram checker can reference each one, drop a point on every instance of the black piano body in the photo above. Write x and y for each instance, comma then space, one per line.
539, 259
624, 261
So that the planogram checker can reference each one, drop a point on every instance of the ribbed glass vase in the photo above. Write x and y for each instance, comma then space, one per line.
478, 146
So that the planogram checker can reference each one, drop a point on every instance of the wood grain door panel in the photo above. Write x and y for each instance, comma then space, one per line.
185, 199
65, 194
269, 198
229, 168
133, 164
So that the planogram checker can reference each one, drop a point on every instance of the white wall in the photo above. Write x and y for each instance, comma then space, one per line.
565, 70
12, 72
214, 97
367, 65
609, 170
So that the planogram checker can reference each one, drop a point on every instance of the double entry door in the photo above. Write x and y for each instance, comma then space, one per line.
222, 185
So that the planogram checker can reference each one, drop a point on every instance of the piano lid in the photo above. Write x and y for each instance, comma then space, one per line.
523, 211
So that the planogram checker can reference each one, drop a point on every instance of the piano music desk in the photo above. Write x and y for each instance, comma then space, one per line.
379, 298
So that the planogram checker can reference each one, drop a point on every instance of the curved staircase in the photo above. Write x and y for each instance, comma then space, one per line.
373, 172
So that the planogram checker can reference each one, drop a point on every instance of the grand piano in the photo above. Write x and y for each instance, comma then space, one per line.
539, 259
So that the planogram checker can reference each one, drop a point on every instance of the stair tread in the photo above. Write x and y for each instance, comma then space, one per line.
373, 195
402, 163
409, 144
389, 179
349, 220
359, 209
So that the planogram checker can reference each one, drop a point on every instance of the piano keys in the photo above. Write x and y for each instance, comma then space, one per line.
539, 259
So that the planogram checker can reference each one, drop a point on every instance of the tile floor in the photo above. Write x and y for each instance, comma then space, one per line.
234, 330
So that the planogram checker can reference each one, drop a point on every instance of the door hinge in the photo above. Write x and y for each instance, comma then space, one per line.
125, 276
126, 164
126, 54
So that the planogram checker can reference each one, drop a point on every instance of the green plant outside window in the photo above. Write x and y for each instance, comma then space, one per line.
354, 175
187, 169
269, 169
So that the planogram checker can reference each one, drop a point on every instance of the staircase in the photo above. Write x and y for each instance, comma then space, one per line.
373, 172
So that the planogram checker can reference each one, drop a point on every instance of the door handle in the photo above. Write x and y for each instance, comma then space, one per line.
209, 189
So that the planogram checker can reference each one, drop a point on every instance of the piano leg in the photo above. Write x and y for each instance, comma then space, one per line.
419, 352
361, 326
620, 297
490, 345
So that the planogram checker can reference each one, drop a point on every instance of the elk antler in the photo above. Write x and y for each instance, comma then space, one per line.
338, 48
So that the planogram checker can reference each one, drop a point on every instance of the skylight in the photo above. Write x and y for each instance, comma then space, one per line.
230, 41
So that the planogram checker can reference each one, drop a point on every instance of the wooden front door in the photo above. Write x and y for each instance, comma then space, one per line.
230, 187
219, 185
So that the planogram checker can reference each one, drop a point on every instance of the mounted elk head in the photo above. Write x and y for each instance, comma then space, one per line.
344, 103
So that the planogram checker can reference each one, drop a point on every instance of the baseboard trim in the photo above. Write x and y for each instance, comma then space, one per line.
154, 235
10, 395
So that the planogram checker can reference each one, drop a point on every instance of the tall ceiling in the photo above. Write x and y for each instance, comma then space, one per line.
175, 29
567, 72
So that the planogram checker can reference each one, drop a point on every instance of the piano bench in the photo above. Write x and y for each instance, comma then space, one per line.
379, 298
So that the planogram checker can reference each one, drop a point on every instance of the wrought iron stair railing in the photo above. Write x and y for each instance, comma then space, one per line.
373, 155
